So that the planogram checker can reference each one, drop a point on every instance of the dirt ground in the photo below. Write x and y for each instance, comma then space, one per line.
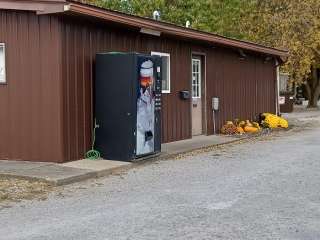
15, 190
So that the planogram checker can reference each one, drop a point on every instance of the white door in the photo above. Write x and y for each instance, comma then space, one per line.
196, 97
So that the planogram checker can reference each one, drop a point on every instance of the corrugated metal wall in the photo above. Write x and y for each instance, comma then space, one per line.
46, 107
30, 113
246, 87
81, 41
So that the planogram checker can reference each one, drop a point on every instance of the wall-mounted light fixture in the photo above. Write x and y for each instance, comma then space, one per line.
242, 55
66, 8
267, 59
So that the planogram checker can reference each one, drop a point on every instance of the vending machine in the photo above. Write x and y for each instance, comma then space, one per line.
127, 105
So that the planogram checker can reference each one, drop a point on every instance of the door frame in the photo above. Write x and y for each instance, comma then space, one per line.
203, 58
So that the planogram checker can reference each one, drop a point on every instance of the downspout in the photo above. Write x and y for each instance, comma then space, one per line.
277, 87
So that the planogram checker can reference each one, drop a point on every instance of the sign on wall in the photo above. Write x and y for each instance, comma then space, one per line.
282, 100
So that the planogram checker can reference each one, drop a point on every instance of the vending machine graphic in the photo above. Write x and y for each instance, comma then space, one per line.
128, 105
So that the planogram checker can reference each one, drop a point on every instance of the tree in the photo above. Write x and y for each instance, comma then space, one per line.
218, 16
294, 25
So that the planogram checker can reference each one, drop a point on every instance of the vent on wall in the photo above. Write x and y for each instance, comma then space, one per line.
150, 32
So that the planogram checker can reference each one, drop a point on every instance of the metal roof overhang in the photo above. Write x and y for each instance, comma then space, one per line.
144, 24
174, 30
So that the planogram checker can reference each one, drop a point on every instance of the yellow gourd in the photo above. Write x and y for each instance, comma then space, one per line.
256, 125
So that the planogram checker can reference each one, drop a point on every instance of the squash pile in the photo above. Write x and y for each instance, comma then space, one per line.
240, 127
266, 120
273, 121
251, 127
229, 128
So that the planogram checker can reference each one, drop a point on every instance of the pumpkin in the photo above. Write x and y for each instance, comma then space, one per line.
249, 129
229, 128
240, 130
242, 124
248, 123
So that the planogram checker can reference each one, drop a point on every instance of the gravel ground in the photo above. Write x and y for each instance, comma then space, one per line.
260, 189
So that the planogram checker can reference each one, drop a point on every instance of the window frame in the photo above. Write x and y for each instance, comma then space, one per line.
3, 45
162, 54
198, 85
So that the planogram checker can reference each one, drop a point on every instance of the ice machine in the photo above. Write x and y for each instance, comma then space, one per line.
128, 105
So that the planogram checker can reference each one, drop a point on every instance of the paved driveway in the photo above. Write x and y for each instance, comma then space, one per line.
258, 190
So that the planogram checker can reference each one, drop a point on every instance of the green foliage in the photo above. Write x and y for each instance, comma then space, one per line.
289, 24
218, 16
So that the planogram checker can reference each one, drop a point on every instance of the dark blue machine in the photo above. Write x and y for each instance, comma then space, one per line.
128, 105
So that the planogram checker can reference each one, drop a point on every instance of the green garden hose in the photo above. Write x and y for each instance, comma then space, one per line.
93, 154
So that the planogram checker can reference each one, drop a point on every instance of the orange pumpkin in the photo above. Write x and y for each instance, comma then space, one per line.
249, 129
240, 130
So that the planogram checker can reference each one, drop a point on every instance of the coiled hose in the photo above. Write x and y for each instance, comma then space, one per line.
93, 154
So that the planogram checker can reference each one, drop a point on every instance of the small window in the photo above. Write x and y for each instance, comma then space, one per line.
196, 78
2, 63
165, 71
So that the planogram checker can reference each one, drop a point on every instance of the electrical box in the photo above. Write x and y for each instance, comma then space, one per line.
215, 104
282, 100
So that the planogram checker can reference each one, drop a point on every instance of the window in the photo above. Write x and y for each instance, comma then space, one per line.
165, 71
283, 82
2, 63
196, 78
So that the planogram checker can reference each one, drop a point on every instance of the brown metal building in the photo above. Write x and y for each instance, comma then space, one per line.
48, 52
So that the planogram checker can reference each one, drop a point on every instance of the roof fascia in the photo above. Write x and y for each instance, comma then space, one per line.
169, 29
40, 7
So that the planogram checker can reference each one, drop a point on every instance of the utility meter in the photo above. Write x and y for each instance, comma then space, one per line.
215, 104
